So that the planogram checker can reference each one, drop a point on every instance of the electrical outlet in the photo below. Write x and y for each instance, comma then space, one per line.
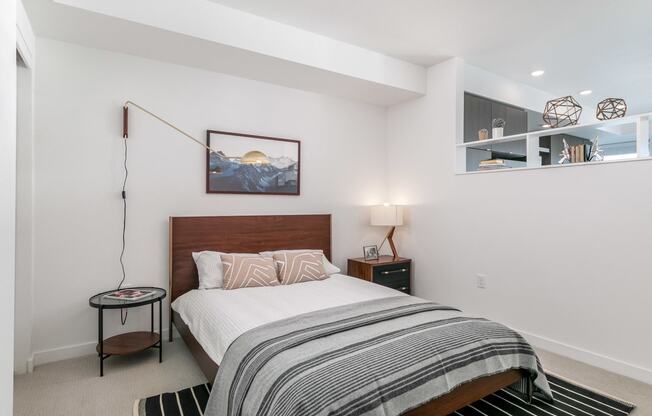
481, 281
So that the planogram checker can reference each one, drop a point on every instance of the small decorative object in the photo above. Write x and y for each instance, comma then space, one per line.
388, 216
483, 134
370, 252
565, 153
611, 108
497, 126
595, 152
561, 112
581, 153
247, 164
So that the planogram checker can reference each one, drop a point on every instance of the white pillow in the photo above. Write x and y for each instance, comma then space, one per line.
329, 267
209, 269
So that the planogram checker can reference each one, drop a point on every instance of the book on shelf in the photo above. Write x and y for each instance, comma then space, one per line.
129, 294
488, 162
492, 164
580, 153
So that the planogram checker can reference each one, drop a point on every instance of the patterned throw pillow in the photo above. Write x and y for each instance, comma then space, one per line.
248, 271
329, 267
300, 266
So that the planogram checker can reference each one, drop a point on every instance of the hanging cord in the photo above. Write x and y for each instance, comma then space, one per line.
123, 317
124, 312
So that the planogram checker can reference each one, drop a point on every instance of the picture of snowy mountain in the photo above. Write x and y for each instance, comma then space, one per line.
241, 163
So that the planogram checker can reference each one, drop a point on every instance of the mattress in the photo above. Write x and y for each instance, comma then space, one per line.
216, 317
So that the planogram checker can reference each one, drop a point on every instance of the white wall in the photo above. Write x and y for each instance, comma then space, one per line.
24, 220
26, 46
566, 251
78, 156
25, 39
7, 198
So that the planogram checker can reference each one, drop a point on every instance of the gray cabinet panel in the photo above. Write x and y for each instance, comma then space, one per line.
534, 120
477, 115
516, 120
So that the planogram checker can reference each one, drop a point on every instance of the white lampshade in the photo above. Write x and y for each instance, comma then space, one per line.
387, 215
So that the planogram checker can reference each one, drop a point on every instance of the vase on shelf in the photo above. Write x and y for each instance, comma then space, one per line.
496, 132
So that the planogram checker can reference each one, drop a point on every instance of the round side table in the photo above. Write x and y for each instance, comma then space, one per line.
130, 342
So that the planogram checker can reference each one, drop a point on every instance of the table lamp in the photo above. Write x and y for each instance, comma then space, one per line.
388, 216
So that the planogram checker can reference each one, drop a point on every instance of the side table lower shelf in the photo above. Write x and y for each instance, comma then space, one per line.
129, 343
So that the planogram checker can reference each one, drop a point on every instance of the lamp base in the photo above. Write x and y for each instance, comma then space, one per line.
390, 239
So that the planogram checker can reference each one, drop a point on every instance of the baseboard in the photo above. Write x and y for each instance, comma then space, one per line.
73, 351
589, 357
24, 367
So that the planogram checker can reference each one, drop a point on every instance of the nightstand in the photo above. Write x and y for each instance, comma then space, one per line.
131, 342
385, 271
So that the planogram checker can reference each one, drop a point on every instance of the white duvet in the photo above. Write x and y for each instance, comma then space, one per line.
216, 317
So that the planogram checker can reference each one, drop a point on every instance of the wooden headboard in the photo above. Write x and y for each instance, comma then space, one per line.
239, 234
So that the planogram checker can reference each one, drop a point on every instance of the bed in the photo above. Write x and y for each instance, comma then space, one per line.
253, 234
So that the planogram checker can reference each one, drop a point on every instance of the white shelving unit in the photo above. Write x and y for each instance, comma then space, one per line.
504, 139
640, 124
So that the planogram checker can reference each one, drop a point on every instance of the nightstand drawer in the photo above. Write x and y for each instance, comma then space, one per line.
396, 276
385, 271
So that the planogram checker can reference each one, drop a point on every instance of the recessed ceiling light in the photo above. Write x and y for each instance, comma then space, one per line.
537, 73
586, 92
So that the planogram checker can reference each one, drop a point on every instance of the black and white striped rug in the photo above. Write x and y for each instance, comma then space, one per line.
570, 400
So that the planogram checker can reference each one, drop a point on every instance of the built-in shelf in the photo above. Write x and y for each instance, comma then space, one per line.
566, 165
560, 130
635, 127
504, 139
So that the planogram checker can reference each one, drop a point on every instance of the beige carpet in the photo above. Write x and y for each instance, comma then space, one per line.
601, 381
73, 387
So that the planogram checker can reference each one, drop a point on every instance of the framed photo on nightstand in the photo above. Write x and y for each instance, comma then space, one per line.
370, 252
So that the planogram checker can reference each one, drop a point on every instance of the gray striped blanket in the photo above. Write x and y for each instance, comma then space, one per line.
381, 357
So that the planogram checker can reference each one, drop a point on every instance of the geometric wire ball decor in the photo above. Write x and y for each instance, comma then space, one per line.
561, 112
611, 108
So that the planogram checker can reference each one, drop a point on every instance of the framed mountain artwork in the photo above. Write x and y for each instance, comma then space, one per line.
248, 164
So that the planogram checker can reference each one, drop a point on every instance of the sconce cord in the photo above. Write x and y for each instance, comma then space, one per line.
124, 312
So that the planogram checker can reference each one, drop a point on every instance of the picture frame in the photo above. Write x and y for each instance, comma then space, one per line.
370, 252
251, 164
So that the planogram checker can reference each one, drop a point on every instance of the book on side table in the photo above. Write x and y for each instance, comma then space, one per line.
129, 294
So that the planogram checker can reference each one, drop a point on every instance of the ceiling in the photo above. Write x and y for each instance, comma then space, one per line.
211, 36
602, 45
